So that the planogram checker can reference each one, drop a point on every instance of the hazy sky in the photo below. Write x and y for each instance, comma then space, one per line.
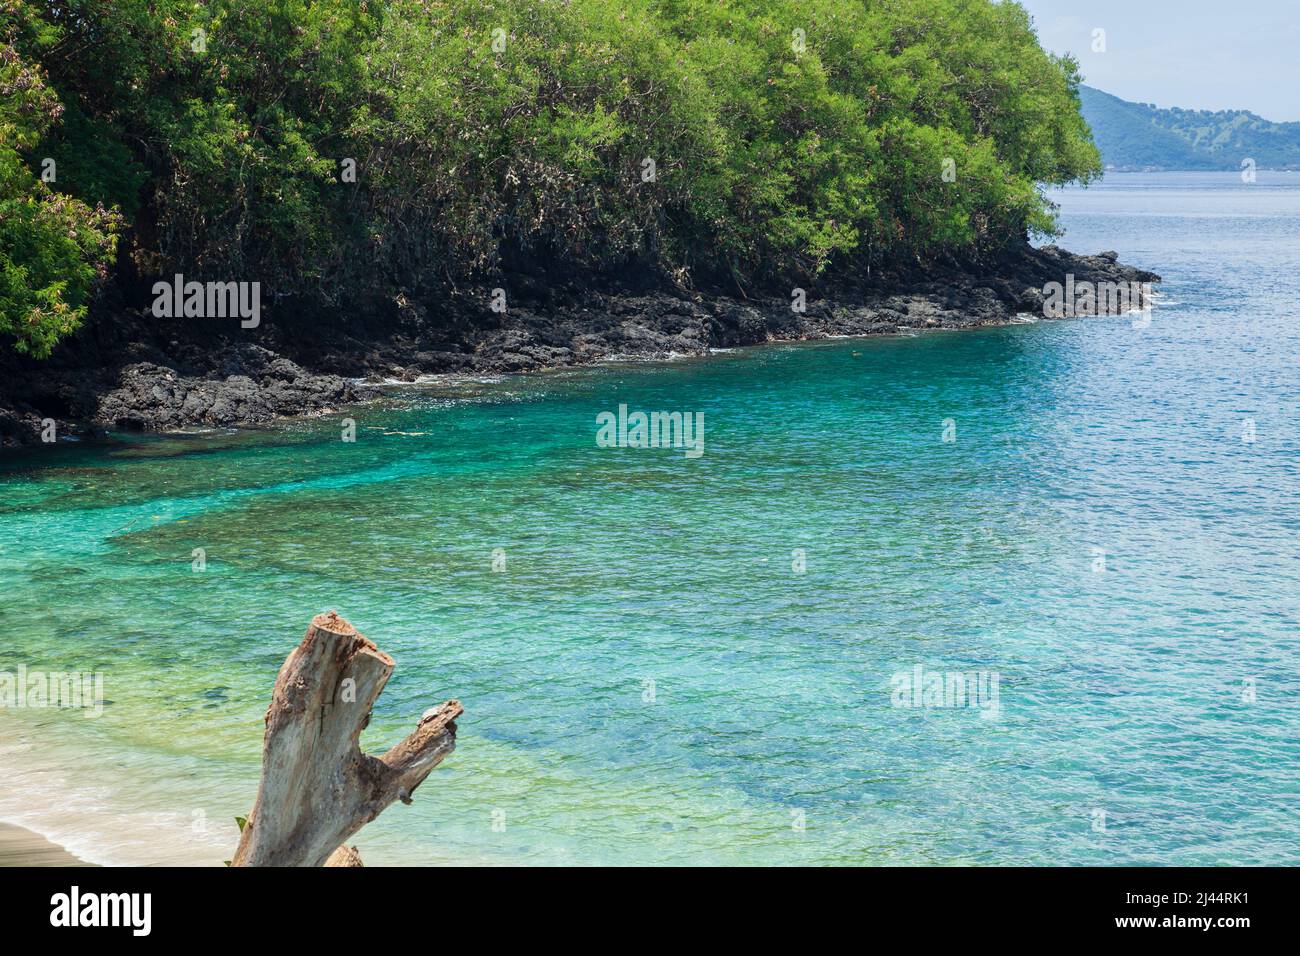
1198, 54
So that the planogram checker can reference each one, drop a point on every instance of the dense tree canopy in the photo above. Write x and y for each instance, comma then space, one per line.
342, 150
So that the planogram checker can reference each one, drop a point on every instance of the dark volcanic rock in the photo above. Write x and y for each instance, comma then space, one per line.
257, 387
126, 370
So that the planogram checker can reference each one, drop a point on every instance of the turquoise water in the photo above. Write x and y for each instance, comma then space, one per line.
1100, 536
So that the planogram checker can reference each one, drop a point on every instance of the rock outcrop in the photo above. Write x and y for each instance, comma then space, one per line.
133, 372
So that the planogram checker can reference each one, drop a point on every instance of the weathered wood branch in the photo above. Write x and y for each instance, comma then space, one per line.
317, 787
345, 856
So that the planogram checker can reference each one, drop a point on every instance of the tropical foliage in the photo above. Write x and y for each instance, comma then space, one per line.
346, 151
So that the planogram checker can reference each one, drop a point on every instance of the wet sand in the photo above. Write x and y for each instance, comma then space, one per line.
19, 847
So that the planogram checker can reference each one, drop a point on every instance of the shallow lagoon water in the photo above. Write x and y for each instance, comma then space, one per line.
649, 679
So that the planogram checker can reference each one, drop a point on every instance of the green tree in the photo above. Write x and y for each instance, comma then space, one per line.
754, 142
53, 247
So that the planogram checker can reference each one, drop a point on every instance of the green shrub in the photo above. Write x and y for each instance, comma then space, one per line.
52, 247
788, 139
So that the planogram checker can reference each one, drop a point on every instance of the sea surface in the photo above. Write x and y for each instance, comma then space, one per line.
666, 659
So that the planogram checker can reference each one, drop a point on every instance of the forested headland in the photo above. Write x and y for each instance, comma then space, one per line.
1142, 136
377, 169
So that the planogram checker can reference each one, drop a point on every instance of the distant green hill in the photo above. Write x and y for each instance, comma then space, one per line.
1141, 136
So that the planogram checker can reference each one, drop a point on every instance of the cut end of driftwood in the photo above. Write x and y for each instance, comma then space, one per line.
317, 787
331, 623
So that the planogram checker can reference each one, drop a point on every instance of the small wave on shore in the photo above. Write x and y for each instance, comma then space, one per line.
21, 847
58, 797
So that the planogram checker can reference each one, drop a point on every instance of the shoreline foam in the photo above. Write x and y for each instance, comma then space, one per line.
20, 847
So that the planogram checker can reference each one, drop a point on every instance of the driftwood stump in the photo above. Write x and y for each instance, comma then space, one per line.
317, 787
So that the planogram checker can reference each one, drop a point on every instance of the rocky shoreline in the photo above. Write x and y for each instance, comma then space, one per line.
129, 371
